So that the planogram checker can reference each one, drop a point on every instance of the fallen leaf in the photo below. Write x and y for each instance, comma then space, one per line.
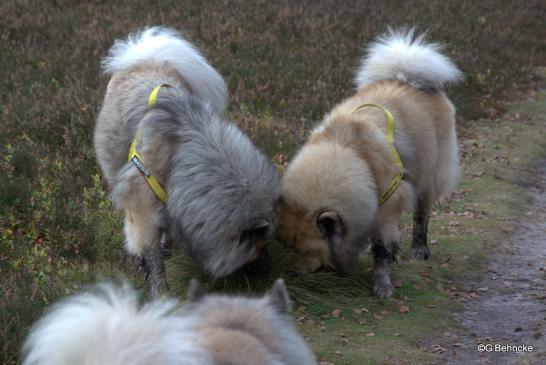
364, 310
397, 283
403, 309
371, 334
482, 289
437, 349
377, 316
336, 313
362, 321
357, 311
396, 334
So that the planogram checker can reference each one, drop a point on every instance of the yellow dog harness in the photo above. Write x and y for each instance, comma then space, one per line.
136, 159
390, 138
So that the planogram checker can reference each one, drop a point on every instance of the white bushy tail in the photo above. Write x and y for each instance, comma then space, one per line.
111, 327
401, 55
167, 45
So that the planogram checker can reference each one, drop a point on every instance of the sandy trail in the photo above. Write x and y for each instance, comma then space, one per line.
511, 309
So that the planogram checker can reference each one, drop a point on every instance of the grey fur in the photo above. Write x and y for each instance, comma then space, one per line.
223, 192
218, 184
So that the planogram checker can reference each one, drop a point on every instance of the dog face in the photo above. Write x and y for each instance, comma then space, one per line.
302, 234
224, 240
319, 240
328, 206
223, 195
233, 323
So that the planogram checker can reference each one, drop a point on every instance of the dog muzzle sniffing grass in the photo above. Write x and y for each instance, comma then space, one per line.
363, 166
193, 178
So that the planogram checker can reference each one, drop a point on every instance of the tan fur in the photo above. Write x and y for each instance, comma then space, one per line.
238, 336
127, 90
347, 161
110, 326
238, 330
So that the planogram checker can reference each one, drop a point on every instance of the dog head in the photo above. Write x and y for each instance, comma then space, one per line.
223, 193
232, 323
109, 325
329, 203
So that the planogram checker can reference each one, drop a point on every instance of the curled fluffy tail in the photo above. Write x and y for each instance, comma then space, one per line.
109, 326
401, 55
167, 45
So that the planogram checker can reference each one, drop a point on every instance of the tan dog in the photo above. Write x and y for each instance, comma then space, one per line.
332, 190
111, 327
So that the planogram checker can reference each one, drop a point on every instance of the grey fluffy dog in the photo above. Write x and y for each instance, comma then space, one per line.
221, 192
109, 326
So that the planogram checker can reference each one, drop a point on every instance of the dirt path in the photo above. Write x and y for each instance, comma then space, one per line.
511, 308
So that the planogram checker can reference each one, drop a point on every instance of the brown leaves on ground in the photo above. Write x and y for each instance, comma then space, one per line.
435, 349
404, 309
336, 313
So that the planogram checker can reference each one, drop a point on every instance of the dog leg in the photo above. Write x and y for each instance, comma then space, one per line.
153, 267
419, 247
385, 246
383, 267
151, 247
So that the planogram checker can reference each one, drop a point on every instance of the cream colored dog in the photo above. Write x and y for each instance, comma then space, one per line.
110, 327
346, 188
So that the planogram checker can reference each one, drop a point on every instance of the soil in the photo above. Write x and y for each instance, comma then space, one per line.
510, 305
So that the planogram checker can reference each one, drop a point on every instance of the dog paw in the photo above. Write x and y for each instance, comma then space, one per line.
420, 252
383, 289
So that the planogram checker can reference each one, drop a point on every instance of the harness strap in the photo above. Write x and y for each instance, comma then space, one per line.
137, 160
395, 155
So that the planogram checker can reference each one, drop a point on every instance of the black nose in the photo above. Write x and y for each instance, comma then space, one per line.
261, 265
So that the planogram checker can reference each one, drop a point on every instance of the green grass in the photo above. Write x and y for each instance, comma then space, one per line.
286, 64
464, 230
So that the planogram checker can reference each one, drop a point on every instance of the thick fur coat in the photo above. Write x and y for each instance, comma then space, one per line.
330, 191
222, 192
109, 326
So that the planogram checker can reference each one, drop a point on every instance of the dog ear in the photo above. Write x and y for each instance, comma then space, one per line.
279, 297
258, 231
196, 291
331, 226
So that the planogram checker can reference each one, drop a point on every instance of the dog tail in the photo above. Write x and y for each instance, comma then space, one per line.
110, 327
402, 55
167, 45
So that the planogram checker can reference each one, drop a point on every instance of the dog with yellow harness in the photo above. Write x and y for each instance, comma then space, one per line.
178, 170
390, 148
